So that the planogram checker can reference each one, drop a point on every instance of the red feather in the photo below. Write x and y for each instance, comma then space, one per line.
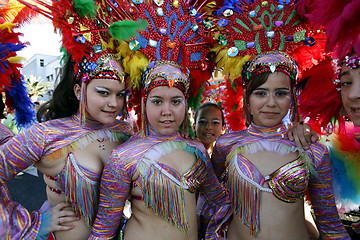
320, 101
341, 21
233, 105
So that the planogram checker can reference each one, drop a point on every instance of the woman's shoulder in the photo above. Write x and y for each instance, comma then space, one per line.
231, 138
121, 126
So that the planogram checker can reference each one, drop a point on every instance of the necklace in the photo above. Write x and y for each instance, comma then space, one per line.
101, 143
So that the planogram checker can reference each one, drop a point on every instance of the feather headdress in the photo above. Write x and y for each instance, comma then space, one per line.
11, 80
247, 28
91, 31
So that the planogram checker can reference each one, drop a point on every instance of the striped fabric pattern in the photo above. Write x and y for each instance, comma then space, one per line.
320, 184
117, 179
44, 139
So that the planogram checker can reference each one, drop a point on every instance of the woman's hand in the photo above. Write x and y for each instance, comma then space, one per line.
303, 135
60, 215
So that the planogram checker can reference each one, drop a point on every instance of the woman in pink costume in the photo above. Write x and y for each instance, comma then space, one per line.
266, 174
158, 169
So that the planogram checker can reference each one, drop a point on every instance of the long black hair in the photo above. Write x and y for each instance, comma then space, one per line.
63, 102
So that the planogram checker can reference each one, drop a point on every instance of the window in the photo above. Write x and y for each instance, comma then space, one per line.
42, 64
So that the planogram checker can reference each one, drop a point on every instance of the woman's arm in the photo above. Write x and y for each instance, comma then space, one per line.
114, 190
21, 152
322, 197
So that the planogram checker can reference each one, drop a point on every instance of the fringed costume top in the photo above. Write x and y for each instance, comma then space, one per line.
162, 187
53, 139
311, 171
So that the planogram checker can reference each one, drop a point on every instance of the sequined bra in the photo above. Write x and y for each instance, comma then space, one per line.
245, 183
80, 187
157, 178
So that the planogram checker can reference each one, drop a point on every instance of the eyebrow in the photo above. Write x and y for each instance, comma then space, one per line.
162, 97
346, 73
266, 89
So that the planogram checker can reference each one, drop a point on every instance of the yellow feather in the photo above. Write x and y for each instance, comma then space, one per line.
16, 59
7, 25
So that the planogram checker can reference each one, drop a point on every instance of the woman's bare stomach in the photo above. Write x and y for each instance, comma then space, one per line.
154, 227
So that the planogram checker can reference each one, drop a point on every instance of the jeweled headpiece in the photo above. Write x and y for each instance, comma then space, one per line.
165, 73
352, 62
245, 29
174, 46
90, 33
274, 61
248, 28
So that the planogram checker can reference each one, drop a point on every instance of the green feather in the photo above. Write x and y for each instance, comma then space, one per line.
124, 30
85, 8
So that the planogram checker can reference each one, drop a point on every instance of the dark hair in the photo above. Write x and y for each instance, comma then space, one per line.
63, 102
210, 104
2, 107
259, 80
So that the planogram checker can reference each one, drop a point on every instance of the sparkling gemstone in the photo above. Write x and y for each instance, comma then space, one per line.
175, 3
272, 68
278, 23
134, 45
222, 40
223, 22
252, 14
233, 51
137, 1
171, 44
80, 38
153, 43
192, 11
279, 7
258, 27
228, 12
270, 34
70, 20
182, 38
309, 41
250, 44
194, 27
289, 38
207, 23
159, 2
264, 3
163, 31
160, 12
97, 48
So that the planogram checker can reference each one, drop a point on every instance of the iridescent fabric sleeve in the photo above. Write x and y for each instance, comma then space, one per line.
5, 134
17, 223
16, 155
221, 150
217, 198
114, 190
322, 197
21, 151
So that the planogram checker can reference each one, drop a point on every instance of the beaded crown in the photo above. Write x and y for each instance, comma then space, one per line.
270, 62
